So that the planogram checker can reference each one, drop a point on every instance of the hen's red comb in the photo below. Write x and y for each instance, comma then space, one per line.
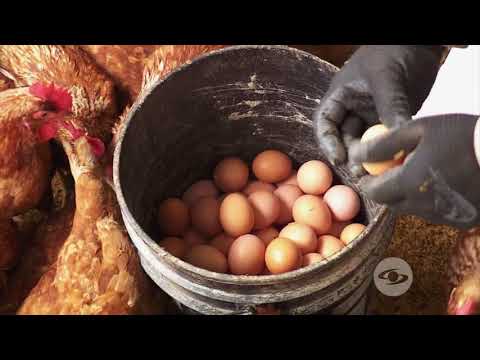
58, 97
49, 129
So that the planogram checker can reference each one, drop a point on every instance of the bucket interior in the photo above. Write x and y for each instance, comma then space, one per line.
235, 102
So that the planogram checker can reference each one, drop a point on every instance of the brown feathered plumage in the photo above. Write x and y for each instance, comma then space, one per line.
9, 254
464, 275
158, 65
9, 245
69, 67
124, 63
24, 163
97, 270
5, 83
40, 253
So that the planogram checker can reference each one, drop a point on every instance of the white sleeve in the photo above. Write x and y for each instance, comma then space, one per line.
476, 140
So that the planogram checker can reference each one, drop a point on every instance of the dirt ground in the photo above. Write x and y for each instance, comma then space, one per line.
426, 249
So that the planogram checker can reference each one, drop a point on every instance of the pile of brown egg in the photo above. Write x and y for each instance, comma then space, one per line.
278, 222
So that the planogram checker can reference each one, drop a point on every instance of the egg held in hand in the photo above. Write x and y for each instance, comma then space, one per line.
378, 168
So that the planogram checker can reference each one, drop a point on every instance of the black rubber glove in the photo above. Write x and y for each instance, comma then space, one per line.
386, 83
440, 178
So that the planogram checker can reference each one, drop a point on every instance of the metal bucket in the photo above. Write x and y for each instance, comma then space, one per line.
237, 101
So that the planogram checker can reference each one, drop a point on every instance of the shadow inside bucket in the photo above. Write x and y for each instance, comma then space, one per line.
226, 108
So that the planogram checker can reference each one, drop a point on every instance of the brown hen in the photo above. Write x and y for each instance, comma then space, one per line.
124, 63
71, 68
97, 270
464, 276
159, 64
5, 83
40, 253
9, 245
24, 162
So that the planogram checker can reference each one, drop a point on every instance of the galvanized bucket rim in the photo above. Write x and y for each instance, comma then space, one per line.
171, 260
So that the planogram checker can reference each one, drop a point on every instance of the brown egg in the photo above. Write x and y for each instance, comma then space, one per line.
255, 186
272, 166
222, 242
337, 228
302, 235
312, 258
247, 256
351, 232
267, 235
311, 210
205, 216
343, 202
314, 177
193, 237
231, 174
173, 217
175, 246
378, 168
207, 257
236, 215
266, 208
282, 256
287, 194
202, 188
329, 245
291, 180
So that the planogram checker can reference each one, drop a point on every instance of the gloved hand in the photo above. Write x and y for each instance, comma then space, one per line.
386, 83
439, 180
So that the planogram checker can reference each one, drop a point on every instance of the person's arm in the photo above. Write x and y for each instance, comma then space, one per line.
440, 178
380, 83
